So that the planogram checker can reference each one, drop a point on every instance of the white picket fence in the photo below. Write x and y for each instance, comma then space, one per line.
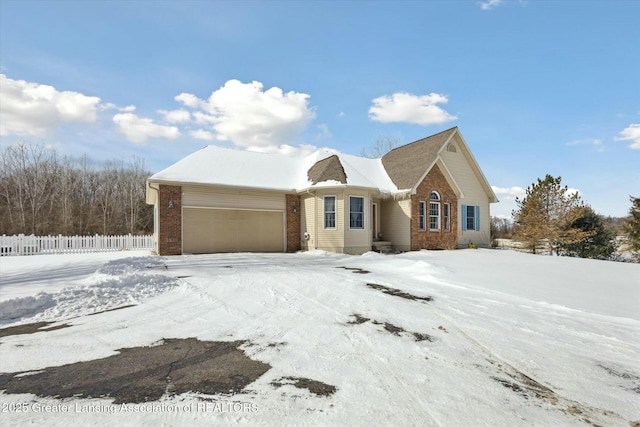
32, 245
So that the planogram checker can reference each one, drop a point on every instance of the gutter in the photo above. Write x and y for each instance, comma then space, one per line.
154, 188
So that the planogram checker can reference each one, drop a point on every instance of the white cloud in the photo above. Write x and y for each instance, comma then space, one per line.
176, 116
631, 133
204, 118
406, 107
202, 134
108, 106
188, 99
112, 106
249, 117
509, 193
299, 151
490, 4
138, 129
571, 191
33, 109
324, 132
595, 143
514, 191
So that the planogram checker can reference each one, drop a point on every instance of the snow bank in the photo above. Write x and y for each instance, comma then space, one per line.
118, 282
24, 307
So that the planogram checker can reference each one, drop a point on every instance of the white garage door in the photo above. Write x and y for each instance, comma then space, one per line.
223, 230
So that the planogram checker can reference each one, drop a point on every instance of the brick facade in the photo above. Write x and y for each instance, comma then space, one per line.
170, 224
293, 222
441, 239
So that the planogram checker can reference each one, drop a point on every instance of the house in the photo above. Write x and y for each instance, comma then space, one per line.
429, 194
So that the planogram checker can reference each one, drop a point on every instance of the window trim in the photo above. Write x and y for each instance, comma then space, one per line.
466, 217
446, 216
437, 216
351, 227
325, 212
422, 216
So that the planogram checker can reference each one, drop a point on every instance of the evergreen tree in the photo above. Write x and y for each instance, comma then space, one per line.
529, 220
600, 244
632, 226
545, 215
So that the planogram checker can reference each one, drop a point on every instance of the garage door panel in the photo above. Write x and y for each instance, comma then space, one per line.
220, 230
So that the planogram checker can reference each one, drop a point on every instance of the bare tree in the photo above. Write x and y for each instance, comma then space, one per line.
43, 194
381, 146
29, 174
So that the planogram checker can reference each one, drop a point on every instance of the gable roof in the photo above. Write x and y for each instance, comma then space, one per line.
408, 163
329, 169
398, 171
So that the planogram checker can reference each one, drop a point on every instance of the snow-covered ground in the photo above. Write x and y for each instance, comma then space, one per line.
513, 339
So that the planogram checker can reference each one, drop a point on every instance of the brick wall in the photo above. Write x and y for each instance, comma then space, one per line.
441, 239
293, 222
170, 224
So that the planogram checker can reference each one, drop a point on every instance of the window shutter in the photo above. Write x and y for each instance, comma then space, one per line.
477, 218
464, 217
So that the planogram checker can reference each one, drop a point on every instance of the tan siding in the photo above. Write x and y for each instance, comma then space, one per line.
357, 241
474, 195
330, 239
230, 198
395, 222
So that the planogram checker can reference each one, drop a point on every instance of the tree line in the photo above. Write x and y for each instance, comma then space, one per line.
552, 217
43, 193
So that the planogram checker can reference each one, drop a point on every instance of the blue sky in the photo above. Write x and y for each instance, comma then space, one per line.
535, 87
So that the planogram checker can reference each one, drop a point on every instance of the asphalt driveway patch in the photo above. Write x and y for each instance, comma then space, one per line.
398, 293
30, 328
316, 387
144, 374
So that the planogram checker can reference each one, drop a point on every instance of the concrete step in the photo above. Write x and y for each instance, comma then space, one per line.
382, 247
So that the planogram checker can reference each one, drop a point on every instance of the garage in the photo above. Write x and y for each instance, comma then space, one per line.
228, 230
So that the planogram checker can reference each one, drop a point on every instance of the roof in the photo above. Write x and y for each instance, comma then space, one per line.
408, 163
238, 168
231, 167
329, 169
398, 171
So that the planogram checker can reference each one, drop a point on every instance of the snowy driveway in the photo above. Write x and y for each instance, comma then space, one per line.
425, 338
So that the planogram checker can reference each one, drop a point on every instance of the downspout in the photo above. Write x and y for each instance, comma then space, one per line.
156, 233
315, 220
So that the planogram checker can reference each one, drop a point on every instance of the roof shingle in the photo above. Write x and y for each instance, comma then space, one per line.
329, 169
406, 164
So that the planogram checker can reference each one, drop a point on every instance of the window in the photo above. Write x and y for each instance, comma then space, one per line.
471, 217
356, 212
423, 222
434, 211
434, 216
329, 211
451, 148
447, 216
